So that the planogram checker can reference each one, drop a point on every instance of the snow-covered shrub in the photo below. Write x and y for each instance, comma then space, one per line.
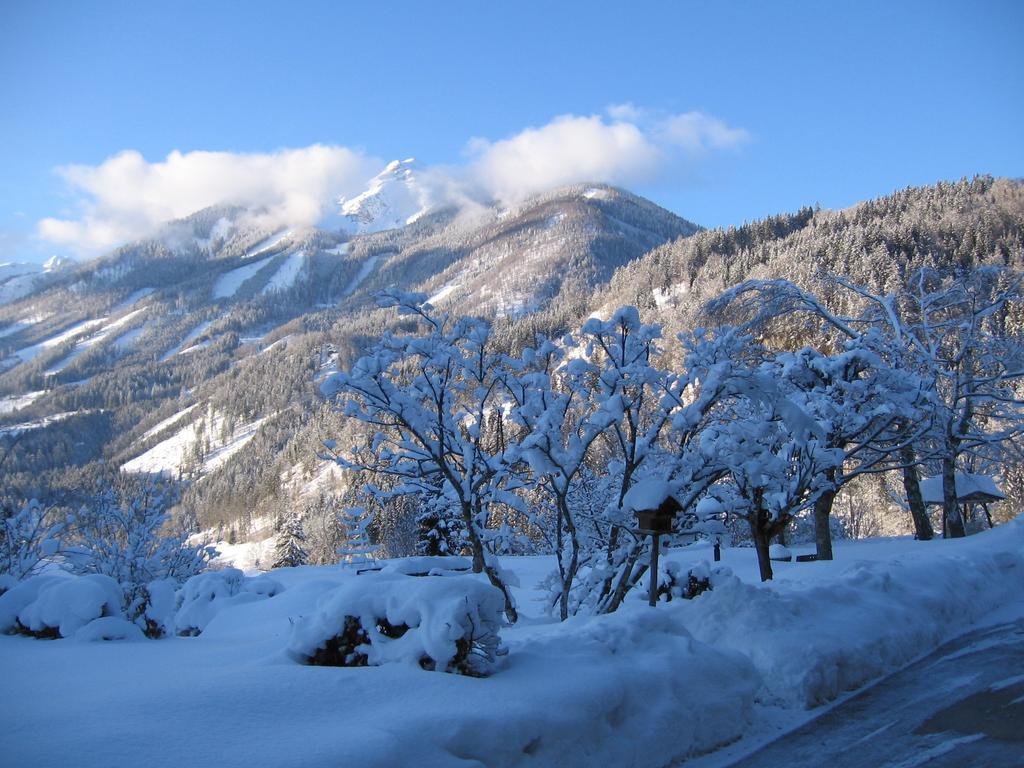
448, 624
203, 596
27, 538
677, 582
20, 595
63, 605
159, 604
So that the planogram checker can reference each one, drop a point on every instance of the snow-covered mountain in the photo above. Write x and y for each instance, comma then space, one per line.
393, 198
208, 351
215, 341
18, 279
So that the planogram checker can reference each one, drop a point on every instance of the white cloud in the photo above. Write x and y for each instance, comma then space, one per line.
629, 146
566, 150
696, 132
126, 197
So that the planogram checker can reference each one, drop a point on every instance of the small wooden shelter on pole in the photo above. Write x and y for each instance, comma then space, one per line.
655, 507
971, 489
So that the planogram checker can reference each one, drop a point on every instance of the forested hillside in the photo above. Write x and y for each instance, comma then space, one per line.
209, 355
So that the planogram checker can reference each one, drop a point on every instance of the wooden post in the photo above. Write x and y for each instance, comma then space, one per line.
652, 598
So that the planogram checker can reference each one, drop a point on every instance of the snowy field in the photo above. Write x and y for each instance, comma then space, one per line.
642, 687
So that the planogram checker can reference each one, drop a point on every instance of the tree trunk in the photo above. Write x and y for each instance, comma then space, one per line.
628, 578
912, 487
950, 509
480, 565
822, 520
568, 573
764, 562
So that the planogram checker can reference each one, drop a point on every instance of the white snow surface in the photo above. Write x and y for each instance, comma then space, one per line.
393, 198
642, 687
646, 494
442, 294
966, 484
271, 242
287, 273
93, 339
186, 342
169, 421
28, 353
168, 456
12, 403
19, 279
227, 285
365, 269
29, 426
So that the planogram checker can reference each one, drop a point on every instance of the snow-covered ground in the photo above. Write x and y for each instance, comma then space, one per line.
12, 403
227, 285
442, 294
365, 269
93, 339
287, 273
186, 343
29, 426
29, 353
271, 242
643, 687
168, 456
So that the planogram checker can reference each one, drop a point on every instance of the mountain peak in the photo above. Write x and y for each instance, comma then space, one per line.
393, 198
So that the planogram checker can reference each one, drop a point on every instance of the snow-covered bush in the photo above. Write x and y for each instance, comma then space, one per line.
203, 596
449, 624
58, 606
677, 582
19, 595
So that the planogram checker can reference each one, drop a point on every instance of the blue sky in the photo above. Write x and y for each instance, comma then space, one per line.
722, 112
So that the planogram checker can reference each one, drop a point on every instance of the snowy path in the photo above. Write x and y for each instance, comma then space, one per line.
961, 706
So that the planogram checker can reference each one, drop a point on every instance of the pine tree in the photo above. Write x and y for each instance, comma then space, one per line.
290, 539
439, 530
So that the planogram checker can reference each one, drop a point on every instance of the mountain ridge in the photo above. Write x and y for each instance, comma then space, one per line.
128, 342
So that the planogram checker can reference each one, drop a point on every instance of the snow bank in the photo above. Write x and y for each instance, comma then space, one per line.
440, 565
630, 689
811, 641
109, 628
206, 594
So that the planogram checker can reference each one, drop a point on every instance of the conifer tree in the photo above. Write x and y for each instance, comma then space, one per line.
290, 550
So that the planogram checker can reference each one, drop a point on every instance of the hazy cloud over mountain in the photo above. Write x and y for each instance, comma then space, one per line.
127, 197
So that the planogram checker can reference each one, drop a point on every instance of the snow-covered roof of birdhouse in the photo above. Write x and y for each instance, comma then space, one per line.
979, 489
649, 493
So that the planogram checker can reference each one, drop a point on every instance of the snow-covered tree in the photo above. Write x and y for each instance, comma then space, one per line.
426, 398
28, 537
289, 550
439, 528
127, 534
